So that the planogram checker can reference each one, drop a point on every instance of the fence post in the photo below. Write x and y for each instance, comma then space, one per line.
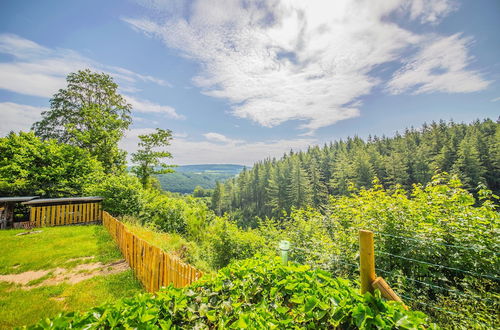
366, 261
284, 247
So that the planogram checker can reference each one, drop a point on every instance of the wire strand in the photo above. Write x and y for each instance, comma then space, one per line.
439, 287
475, 249
492, 277
447, 311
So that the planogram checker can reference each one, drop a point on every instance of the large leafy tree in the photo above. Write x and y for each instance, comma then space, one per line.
30, 166
149, 158
91, 114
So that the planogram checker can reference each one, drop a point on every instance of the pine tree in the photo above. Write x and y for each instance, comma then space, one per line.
468, 164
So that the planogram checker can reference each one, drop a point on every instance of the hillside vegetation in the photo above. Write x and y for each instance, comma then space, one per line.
430, 196
253, 294
186, 178
299, 179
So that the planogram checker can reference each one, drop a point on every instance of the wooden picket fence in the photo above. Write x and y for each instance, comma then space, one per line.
65, 214
153, 267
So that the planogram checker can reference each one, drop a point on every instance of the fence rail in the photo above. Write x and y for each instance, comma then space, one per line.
65, 214
153, 267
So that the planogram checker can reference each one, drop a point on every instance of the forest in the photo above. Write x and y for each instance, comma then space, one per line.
430, 196
187, 178
308, 178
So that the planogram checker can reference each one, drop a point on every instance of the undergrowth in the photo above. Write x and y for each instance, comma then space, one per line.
256, 293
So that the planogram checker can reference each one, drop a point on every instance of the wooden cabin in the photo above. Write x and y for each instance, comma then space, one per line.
8, 212
64, 211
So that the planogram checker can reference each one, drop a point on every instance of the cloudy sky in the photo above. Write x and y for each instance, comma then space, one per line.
238, 81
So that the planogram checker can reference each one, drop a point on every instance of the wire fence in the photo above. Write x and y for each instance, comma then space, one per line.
412, 294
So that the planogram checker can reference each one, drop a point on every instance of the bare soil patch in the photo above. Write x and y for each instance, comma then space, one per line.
24, 278
59, 275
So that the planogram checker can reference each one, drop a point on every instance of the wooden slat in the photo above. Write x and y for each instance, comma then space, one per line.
53, 215
152, 267
70, 214
32, 216
83, 217
57, 209
42, 217
78, 213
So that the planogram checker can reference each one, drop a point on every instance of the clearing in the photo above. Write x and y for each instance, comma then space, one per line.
59, 269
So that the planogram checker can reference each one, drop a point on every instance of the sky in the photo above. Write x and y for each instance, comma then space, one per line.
240, 81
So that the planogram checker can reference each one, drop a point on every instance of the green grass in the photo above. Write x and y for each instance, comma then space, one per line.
20, 307
171, 243
53, 247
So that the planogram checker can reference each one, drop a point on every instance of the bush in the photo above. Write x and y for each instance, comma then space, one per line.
186, 215
225, 242
123, 194
256, 294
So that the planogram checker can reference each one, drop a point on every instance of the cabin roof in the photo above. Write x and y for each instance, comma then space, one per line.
64, 200
16, 199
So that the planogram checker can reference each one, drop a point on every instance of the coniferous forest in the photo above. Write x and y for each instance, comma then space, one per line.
308, 178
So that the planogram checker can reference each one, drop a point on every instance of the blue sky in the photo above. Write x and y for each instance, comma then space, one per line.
238, 81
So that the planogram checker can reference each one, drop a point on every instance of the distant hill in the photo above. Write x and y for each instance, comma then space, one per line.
187, 177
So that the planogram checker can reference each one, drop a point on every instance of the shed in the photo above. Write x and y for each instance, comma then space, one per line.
64, 211
7, 205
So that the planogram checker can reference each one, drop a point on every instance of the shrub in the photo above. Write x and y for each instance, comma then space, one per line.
256, 294
225, 241
171, 214
123, 194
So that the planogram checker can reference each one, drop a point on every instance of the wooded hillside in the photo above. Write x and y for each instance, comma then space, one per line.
272, 186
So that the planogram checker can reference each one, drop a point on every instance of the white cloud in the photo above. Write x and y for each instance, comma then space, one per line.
40, 71
495, 99
217, 137
17, 117
145, 106
431, 11
285, 60
439, 66
187, 151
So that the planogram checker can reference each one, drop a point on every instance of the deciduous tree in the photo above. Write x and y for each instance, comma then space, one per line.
89, 113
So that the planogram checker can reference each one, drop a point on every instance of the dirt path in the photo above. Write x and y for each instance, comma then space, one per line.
60, 275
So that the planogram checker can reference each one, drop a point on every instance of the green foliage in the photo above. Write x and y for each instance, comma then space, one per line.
200, 192
186, 215
442, 225
254, 294
306, 178
148, 158
224, 241
186, 182
123, 194
30, 166
90, 114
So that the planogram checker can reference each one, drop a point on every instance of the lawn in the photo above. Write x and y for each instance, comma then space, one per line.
59, 269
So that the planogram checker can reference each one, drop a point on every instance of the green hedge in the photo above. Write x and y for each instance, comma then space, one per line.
255, 293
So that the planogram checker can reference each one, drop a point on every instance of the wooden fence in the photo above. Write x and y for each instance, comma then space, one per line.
65, 214
153, 267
